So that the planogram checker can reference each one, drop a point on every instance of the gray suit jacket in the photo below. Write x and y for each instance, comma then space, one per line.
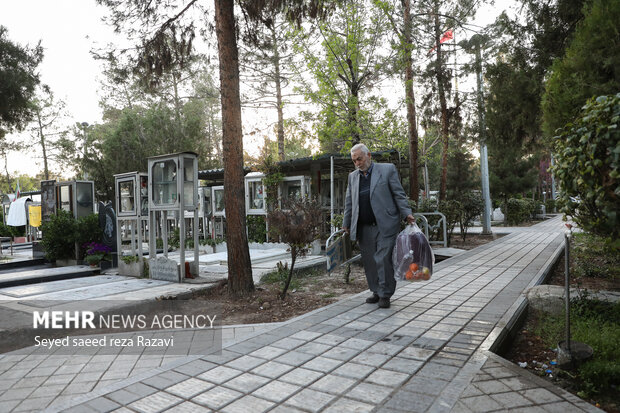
387, 198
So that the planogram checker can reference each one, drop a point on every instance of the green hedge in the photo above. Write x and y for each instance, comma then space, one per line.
518, 211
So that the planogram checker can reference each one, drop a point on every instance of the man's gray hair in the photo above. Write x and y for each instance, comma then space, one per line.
360, 147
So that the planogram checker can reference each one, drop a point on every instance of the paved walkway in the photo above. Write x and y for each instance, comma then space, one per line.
430, 352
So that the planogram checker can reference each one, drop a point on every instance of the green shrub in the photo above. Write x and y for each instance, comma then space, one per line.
550, 206
62, 232
87, 231
129, 259
587, 163
257, 230
452, 210
472, 205
517, 211
10, 231
59, 236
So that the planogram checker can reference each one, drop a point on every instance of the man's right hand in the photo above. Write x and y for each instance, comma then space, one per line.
346, 230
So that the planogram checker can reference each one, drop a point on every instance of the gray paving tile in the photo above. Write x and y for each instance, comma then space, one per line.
310, 400
333, 384
164, 380
48, 391
268, 352
540, 396
349, 406
559, 407
248, 404
288, 343
101, 404
276, 391
220, 374
492, 386
387, 378
195, 368
188, 407
217, 397
322, 364
354, 370
301, 376
245, 363
481, 403
416, 353
7, 406
17, 394
403, 365
286, 409
305, 335
294, 358
247, 382
314, 348
272, 369
512, 399
409, 402
371, 359
33, 404
157, 402
189, 388
330, 339
341, 353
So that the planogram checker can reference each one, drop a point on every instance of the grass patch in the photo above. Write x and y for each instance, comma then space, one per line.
597, 324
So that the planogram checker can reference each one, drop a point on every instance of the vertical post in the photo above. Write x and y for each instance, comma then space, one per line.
567, 287
331, 193
484, 165
552, 180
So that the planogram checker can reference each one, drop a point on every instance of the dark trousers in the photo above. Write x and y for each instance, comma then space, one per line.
377, 259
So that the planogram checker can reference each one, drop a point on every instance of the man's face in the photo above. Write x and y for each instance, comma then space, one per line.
361, 160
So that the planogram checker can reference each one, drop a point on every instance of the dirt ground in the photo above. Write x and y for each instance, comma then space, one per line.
315, 289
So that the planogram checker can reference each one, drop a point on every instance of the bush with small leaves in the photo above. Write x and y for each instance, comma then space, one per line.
587, 167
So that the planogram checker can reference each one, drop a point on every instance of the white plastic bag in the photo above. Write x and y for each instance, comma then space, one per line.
412, 256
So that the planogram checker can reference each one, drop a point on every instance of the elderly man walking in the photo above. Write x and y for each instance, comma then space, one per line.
374, 206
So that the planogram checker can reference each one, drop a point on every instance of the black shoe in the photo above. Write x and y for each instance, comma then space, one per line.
373, 299
384, 302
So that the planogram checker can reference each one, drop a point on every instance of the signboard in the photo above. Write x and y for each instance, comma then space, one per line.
48, 199
338, 252
162, 268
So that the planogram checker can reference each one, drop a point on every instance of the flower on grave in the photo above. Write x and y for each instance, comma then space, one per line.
96, 252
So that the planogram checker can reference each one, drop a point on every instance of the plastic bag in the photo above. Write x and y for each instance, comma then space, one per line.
412, 256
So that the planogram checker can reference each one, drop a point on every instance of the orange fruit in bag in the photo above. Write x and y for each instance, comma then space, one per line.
409, 275
413, 267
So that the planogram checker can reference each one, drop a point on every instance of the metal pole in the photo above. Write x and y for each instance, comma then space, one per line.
484, 166
567, 287
331, 194
552, 179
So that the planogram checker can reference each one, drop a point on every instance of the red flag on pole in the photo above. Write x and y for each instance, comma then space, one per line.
17, 191
448, 35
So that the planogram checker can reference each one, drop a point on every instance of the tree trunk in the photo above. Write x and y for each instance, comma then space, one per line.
444, 113
411, 115
239, 266
278, 81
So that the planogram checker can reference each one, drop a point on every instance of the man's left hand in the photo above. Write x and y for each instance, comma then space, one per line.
410, 219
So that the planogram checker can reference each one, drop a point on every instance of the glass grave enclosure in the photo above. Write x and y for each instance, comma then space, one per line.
173, 184
76, 197
255, 195
219, 212
132, 216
